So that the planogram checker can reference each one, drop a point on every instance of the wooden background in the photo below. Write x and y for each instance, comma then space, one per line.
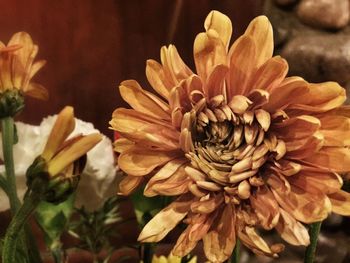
92, 45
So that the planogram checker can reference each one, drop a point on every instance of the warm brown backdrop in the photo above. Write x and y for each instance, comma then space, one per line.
92, 45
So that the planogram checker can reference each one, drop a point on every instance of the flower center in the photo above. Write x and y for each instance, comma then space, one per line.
229, 151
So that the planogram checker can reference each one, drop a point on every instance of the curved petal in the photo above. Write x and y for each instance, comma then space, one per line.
145, 129
304, 206
266, 207
216, 81
291, 230
221, 24
129, 184
336, 130
242, 66
198, 227
122, 144
260, 29
138, 161
64, 125
252, 240
220, 241
340, 202
143, 101
157, 78
334, 158
208, 51
37, 91
169, 180
316, 181
270, 75
289, 90
174, 67
299, 127
162, 223
320, 98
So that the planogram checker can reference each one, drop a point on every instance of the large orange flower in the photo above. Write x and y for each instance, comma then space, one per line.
241, 145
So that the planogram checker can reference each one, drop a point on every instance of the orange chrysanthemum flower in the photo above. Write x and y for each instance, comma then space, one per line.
241, 145
17, 68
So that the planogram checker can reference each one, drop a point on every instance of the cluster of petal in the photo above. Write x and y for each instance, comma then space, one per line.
171, 259
98, 180
239, 144
18, 67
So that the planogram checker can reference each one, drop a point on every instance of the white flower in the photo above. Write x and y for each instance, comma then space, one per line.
98, 180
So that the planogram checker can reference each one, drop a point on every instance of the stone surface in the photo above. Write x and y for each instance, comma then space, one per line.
285, 2
328, 14
320, 57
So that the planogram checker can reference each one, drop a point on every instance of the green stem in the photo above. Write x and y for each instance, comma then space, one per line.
10, 187
147, 252
7, 128
311, 249
16, 226
236, 252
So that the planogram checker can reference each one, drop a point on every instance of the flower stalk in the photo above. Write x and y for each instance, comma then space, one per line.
16, 226
311, 249
7, 127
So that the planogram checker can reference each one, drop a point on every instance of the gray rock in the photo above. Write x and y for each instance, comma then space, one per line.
285, 2
318, 58
328, 14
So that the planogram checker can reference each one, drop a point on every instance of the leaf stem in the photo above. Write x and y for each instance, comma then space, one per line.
16, 226
311, 249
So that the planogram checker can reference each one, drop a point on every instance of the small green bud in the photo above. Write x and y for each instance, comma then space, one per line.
11, 103
53, 188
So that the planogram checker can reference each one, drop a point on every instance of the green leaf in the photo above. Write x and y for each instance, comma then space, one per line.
53, 219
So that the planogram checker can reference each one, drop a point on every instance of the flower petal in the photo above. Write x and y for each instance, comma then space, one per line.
122, 144
162, 223
63, 126
208, 51
291, 230
304, 206
168, 179
340, 202
266, 207
297, 128
220, 241
260, 30
156, 77
36, 90
221, 24
145, 129
286, 93
336, 130
72, 152
321, 97
129, 184
270, 75
315, 180
334, 158
242, 66
252, 240
138, 161
143, 101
